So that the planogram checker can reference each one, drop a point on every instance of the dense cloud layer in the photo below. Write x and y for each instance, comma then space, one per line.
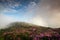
50, 11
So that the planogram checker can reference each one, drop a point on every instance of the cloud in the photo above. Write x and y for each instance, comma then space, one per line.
2, 8
35, 18
49, 10
45, 12
52, 8
5, 20
39, 21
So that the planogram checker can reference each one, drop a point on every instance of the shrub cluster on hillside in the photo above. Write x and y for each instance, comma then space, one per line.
26, 31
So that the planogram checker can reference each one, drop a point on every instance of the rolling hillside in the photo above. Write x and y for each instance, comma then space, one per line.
27, 29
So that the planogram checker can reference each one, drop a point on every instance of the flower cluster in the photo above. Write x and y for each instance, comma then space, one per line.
31, 34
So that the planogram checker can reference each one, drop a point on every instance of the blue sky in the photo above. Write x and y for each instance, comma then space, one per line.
39, 12
17, 10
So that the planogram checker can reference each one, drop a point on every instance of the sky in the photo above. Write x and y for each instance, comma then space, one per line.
39, 12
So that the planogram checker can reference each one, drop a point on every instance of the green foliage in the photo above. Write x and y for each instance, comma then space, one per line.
1, 38
22, 26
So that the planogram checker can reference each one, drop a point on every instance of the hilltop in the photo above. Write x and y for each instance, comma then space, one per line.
27, 29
